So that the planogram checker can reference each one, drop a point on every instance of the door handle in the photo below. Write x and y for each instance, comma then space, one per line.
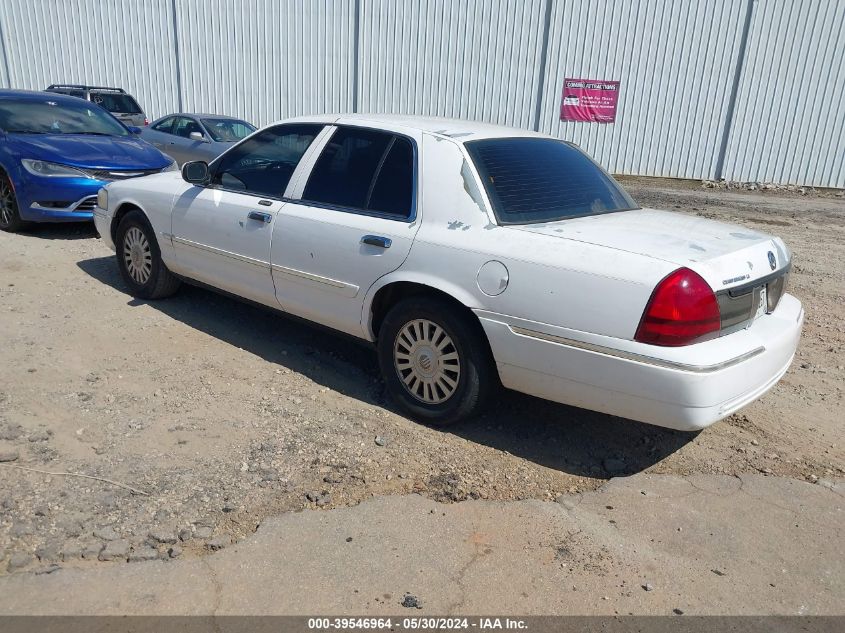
260, 217
377, 240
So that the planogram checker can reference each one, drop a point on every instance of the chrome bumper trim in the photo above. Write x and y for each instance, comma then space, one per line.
632, 356
70, 208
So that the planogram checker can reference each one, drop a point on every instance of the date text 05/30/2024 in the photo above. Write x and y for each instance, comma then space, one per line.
416, 624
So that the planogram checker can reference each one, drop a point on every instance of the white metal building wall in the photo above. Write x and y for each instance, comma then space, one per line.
462, 59
100, 42
683, 109
789, 123
265, 59
676, 79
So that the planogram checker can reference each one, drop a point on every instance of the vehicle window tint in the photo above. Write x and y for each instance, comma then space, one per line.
185, 126
264, 163
116, 102
166, 125
228, 130
543, 180
393, 189
346, 168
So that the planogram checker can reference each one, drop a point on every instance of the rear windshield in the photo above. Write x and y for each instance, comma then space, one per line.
228, 130
533, 180
116, 102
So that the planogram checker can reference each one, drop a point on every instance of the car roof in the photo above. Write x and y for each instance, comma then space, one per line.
455, 129
199, 115
39, 95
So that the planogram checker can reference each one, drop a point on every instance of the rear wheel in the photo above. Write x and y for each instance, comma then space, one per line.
435, 361
10, 218
139, 259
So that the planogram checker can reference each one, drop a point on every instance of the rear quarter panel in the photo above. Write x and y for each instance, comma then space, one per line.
550, 280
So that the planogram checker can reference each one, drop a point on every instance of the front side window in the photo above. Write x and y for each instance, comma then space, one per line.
532, 180
185, 127
227, 130
264, 163
364, 169
29, 116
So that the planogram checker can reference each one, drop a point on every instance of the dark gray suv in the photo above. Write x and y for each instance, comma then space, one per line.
122, 105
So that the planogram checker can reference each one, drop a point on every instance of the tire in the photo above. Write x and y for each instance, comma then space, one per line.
139, 259
412, 351
10, 217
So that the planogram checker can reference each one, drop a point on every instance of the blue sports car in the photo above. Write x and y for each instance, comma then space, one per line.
57, 151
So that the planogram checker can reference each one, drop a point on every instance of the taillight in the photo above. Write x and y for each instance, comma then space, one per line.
146, 121
682, 310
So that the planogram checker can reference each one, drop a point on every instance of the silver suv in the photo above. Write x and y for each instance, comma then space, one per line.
122, 105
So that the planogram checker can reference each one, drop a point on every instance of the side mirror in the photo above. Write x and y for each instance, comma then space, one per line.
134, 130
197, 136
195, 172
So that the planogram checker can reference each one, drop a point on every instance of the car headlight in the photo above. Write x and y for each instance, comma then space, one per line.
171, 167
103, 199
52, 170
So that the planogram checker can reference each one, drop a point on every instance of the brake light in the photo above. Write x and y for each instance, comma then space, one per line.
682, 310
146, 121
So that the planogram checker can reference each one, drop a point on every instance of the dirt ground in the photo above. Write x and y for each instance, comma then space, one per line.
223, 413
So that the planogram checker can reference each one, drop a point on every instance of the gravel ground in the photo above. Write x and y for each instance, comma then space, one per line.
220, 414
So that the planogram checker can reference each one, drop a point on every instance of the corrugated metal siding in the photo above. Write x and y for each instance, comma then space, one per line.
676, 76
789, 124
102, 42
477, 59
463, 59
265, 60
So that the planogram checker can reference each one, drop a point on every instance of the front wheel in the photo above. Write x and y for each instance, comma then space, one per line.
10, 217
435, 361
139, 259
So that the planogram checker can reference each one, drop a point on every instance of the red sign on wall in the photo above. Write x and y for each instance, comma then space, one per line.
591, 100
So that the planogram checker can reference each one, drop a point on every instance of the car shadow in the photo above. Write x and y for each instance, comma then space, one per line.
60, 231
567, 439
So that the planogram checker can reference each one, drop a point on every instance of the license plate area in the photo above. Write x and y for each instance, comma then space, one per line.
761, 301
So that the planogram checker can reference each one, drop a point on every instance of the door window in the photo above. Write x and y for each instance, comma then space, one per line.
185, 127
364, 169
166, 125
264, 163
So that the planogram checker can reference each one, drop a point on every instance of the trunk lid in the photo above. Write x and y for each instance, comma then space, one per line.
726, 255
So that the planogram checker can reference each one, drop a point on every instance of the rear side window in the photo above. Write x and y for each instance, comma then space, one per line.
533, 180
264, 163
165, 126
364, 169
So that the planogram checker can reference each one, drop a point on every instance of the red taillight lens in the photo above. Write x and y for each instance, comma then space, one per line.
682, 310
146, 121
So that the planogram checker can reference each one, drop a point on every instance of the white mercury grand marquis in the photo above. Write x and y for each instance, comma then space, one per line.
471, 255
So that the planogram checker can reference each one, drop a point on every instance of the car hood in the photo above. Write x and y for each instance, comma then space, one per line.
90, 152
725, 254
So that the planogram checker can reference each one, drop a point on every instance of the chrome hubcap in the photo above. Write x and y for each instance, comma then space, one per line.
137, 255
427, 361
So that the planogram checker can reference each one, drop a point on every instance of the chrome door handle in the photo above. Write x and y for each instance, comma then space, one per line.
377, 240
260, 217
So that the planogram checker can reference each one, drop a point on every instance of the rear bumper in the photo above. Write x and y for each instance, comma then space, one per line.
681, 388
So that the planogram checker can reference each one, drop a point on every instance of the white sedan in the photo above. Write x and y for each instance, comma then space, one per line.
472, 255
